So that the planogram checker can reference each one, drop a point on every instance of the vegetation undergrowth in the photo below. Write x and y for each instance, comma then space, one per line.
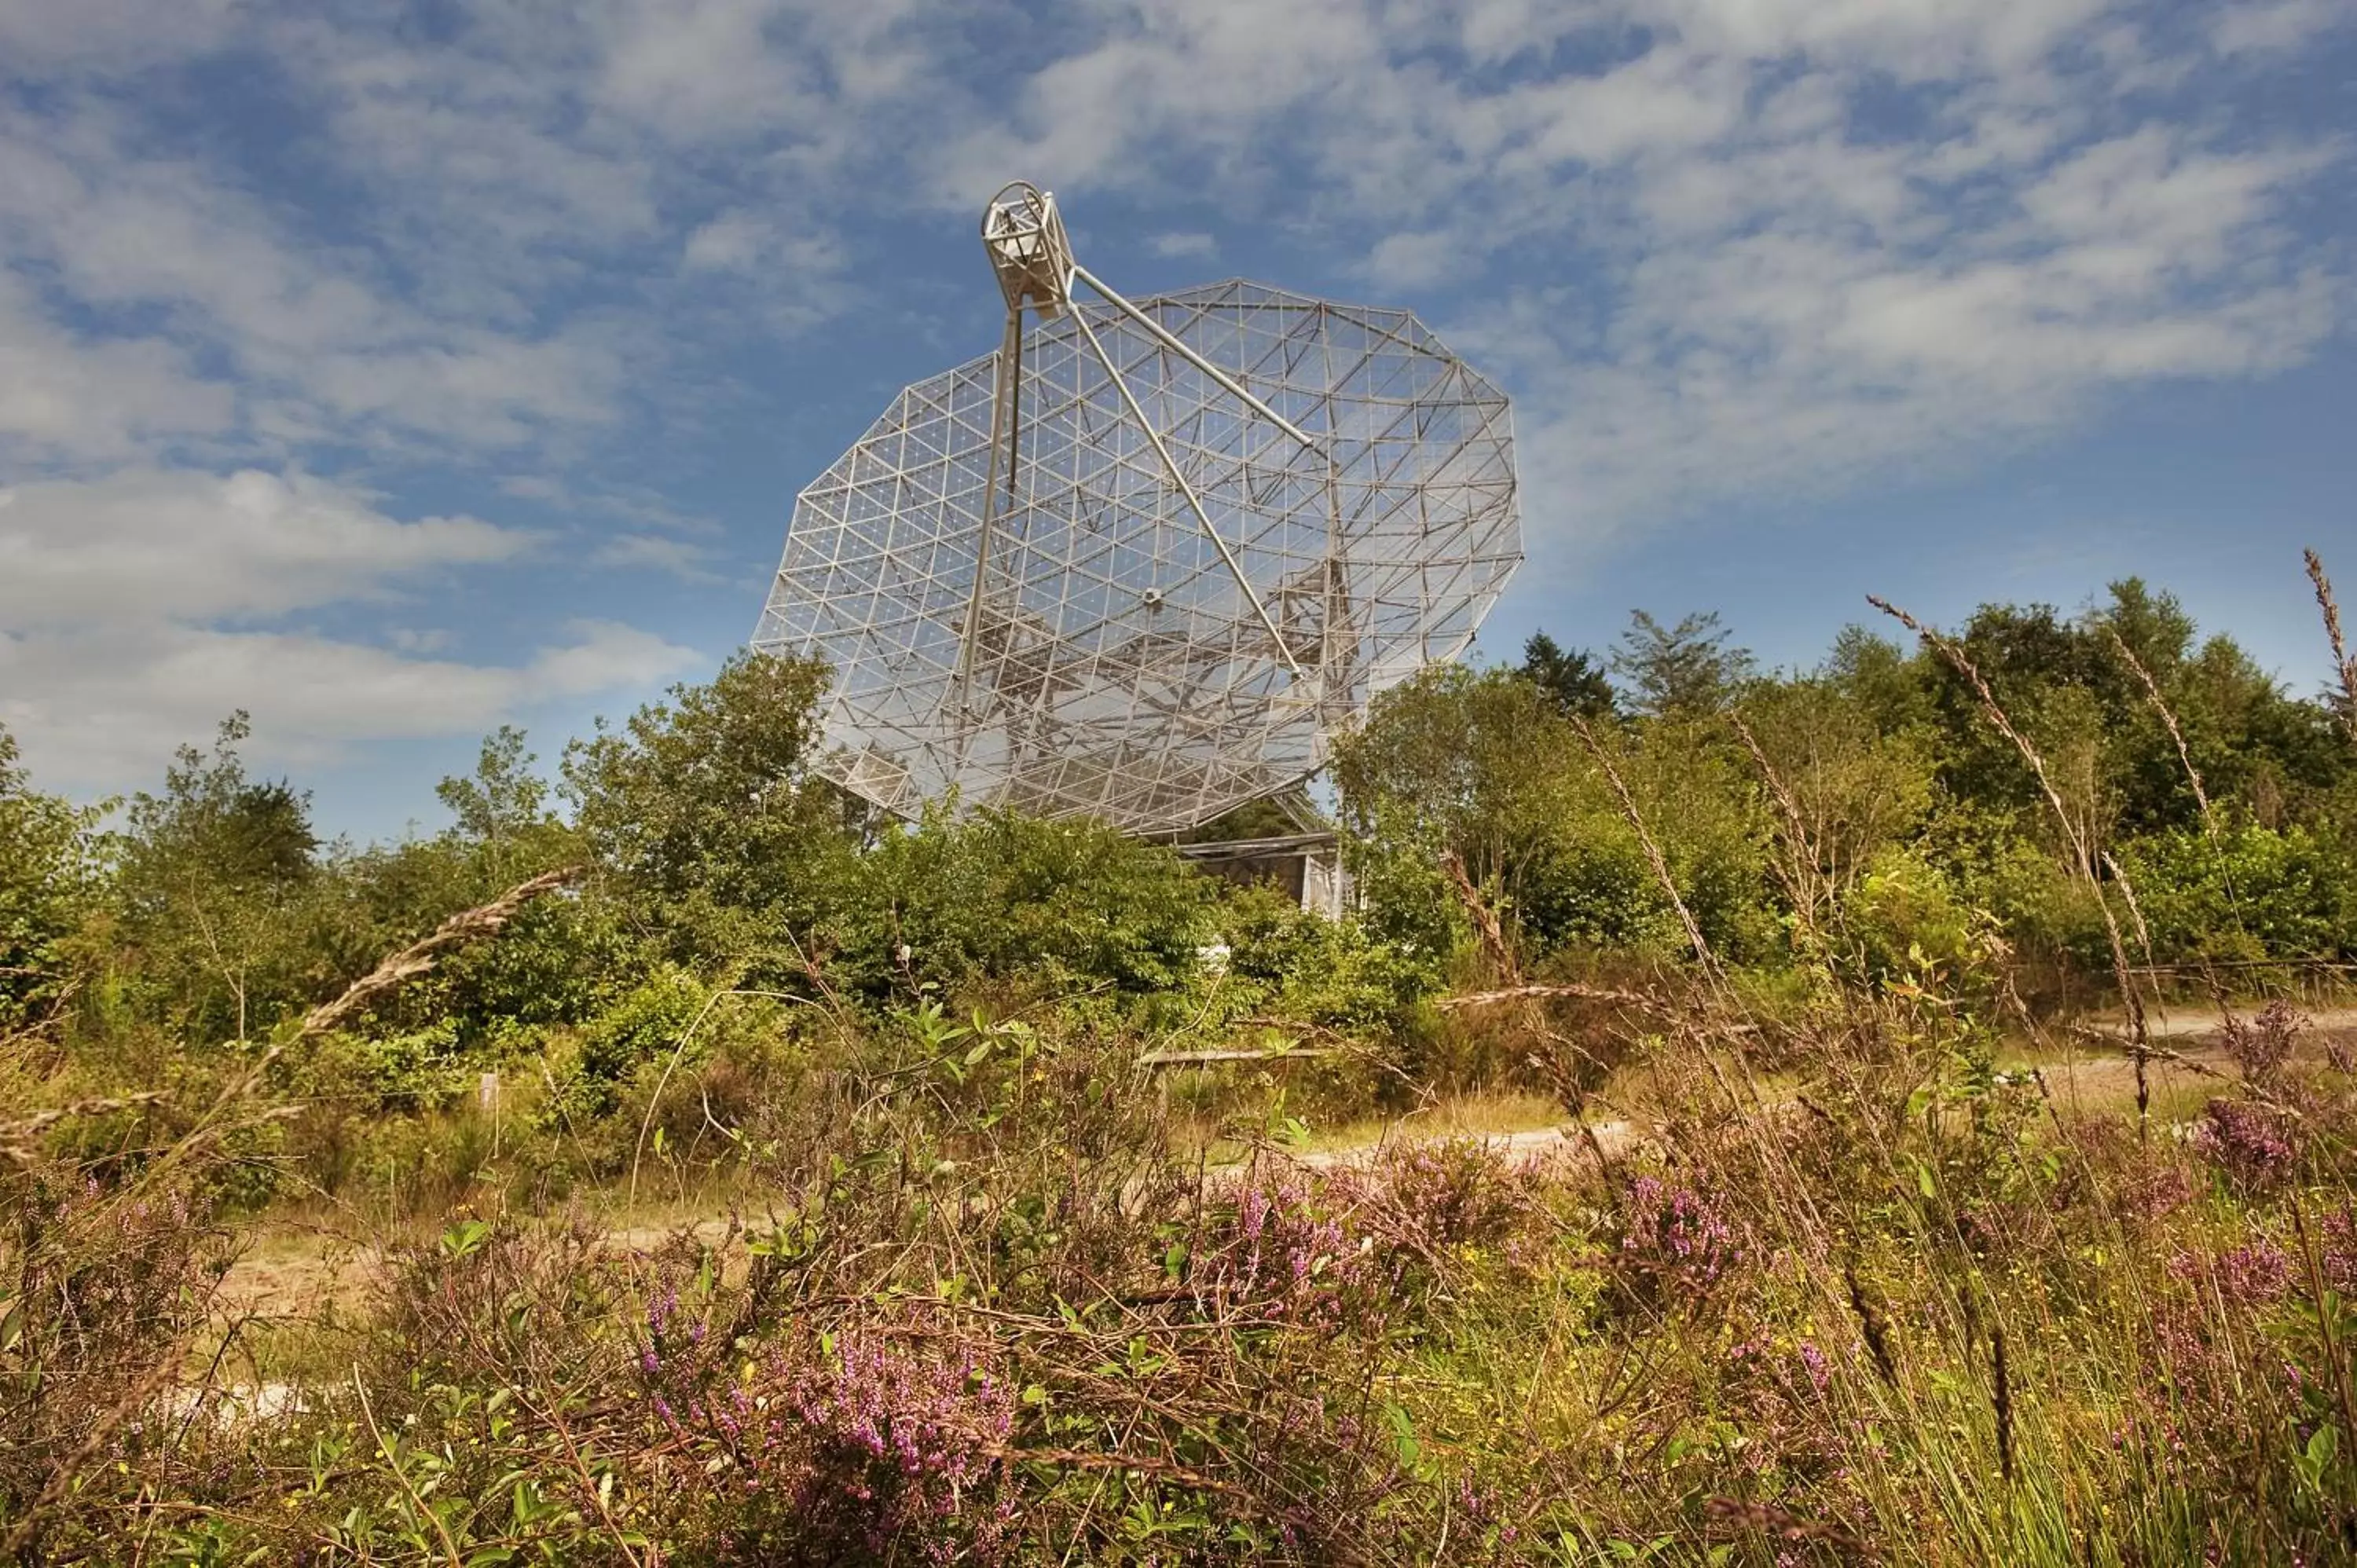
1836, 1260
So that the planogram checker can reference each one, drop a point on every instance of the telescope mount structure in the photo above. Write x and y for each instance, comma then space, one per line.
1144, 561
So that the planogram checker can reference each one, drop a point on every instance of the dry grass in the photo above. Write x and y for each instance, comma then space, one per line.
1771, 1324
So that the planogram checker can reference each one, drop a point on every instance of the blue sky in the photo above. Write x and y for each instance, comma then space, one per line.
397, 371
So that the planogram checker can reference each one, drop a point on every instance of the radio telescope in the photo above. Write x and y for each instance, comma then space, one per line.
1144, 561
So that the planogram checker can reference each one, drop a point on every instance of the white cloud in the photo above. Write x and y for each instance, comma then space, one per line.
1754, 247
1183, 243
144, 546
1413, 260
1749, 247
121, 600
2270, 26
64, 398
111, 36
681, 558
316, 345
102, 712
698, 68
742, 242
1916, 39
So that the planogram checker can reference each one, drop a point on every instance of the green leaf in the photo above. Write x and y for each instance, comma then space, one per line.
1404, 1440
465, 1238
2322, 1446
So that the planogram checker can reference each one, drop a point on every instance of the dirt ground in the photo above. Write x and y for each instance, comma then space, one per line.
294, 1270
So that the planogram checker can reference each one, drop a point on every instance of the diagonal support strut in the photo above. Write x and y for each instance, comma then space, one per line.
1170, 467
1006, 436
1171, 342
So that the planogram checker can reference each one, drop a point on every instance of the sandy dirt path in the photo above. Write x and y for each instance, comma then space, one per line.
294, 1273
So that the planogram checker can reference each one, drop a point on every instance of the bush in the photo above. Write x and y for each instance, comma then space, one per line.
49, 889
2254, 893
1051, 907
1905, 921
1336, 974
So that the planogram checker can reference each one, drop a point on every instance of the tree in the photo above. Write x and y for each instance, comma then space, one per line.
210, 872
1572, 680
1057, 907
1271, 816
1481, 767
549, 963
1685, 670
1465, 763
48, 885
703, 811
1892, 685
2065, 685
249, 834
1845, 790
504, 796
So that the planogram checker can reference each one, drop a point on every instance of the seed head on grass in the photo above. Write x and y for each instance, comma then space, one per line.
2342, 662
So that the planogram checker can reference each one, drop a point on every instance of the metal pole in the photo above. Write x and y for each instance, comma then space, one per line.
1170, 467
1006, 368
1170, 341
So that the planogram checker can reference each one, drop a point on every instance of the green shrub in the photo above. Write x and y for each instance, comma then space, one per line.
2256, 893
50, 887
1906, 920
1052, 906
1336, 974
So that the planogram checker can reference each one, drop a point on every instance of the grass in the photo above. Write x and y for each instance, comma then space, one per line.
297, 1251
1005, 1321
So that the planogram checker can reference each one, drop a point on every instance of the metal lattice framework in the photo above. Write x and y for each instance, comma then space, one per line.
1141, 563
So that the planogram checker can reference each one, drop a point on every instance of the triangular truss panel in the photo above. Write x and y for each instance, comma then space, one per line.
1144, 561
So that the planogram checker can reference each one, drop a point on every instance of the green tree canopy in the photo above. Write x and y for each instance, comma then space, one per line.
704, 812
211, 873
1683, 668
50, 881
1572, 679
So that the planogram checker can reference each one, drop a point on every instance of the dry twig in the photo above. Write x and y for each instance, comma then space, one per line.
1548, 993
2160, 705
419, 956
1484, 916
1804, 879
1654, 855
15, 1136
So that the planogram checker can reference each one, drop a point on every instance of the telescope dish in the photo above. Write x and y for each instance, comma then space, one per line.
1142, 562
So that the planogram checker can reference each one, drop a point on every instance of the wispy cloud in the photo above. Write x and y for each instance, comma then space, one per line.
1764, 248
99, 712
145, 546
73, 398
1188, 243
1743, 248
2269, 26
136, 609
683, 559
